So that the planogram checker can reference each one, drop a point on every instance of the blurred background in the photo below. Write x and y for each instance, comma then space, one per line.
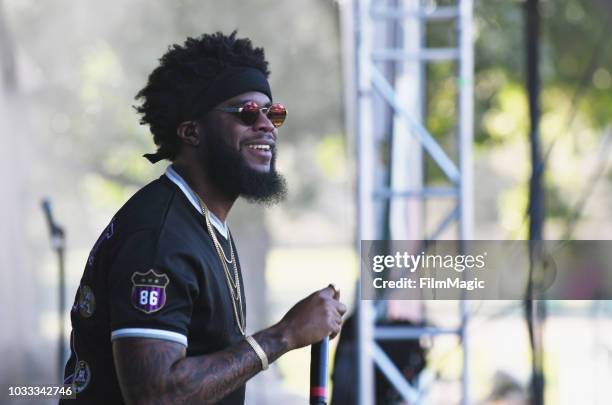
71, 69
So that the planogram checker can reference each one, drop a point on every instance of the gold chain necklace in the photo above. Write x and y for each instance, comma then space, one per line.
230, 260
236, 297
235, 283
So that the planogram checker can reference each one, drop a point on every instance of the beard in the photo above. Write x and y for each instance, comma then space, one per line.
234, 177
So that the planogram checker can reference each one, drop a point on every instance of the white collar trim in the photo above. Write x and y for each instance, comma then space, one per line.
193, 199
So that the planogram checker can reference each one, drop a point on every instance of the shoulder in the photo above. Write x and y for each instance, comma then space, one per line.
147, 208
158, 206
155, 220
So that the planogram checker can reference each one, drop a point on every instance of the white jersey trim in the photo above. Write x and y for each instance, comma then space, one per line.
149, 333
193, 199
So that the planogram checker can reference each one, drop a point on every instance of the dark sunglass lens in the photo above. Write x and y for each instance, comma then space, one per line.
250, 113
277, 114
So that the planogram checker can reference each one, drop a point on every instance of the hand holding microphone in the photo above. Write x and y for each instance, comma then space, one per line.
314, 321
315, 317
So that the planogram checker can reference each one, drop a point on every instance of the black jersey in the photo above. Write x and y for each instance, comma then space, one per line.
154, 272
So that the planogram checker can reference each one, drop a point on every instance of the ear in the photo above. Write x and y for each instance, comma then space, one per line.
189, 133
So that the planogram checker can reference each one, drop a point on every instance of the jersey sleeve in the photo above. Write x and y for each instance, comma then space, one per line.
152, 289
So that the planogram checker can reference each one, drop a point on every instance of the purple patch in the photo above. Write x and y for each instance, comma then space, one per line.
149, 291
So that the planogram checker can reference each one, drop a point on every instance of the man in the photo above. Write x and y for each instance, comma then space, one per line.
159, 316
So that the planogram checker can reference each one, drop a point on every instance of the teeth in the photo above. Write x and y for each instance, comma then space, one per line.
260, 147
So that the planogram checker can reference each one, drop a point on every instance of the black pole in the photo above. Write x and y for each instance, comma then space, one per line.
61, 307
536, 200
533, 309
58, 244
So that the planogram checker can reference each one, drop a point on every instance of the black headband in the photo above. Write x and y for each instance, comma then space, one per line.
232, 82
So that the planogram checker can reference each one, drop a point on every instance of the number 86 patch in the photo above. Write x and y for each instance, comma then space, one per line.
149, 291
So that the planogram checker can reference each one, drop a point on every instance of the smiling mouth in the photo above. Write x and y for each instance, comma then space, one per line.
259, 147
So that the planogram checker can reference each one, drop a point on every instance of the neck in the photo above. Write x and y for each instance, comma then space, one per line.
199, 181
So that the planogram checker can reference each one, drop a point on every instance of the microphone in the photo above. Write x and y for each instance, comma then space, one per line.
56, 231
318, 372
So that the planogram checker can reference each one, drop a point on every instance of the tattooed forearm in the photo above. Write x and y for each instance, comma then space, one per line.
157, 371
273, 342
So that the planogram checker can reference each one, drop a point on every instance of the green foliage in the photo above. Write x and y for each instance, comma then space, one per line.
576, 97
331, 157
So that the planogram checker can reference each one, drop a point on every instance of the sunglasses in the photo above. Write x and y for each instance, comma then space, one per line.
249, 113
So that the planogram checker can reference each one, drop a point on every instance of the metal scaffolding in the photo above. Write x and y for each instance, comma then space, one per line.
388, 47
